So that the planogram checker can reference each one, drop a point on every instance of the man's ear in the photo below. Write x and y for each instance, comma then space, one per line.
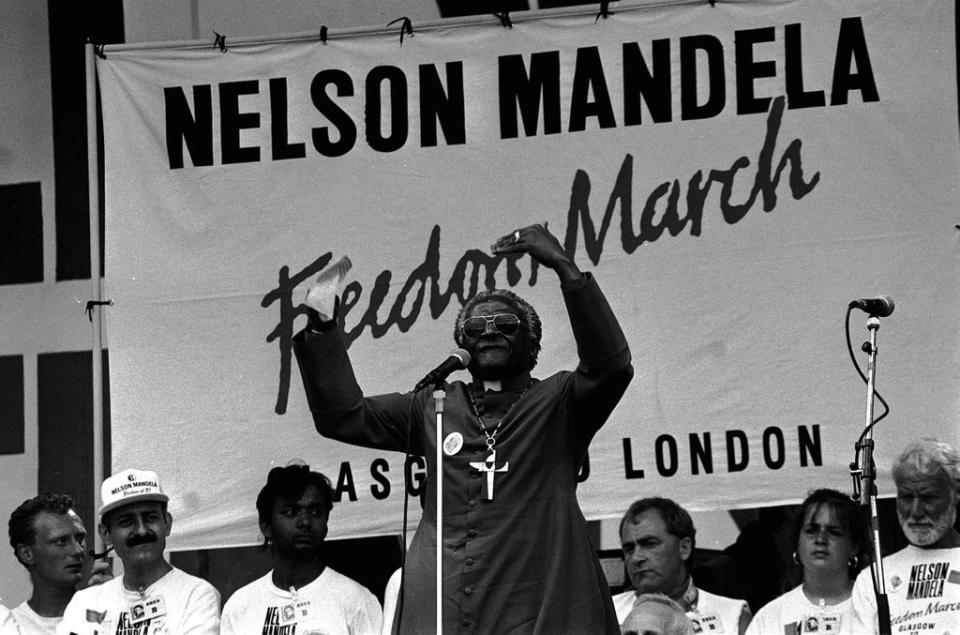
266, 530
24, 554
105, 534
169, 520
686, 549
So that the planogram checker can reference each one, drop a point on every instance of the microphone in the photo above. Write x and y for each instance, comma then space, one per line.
457, 360
880, 306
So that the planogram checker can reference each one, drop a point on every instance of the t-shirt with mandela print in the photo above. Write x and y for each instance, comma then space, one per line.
923, 590
332, 604
178, 603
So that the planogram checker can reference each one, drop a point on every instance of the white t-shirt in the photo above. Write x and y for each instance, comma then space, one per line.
714, 613
176, 604
391, 593
30, 623
923, 590
623, 604
717, 614
793, 612
7, 625
333, 604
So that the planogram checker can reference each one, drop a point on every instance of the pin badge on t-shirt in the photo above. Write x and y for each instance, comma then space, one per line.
707, 622
137, 613
303, 609
287, 614
895, 583
453, 443
147, 609
828, 623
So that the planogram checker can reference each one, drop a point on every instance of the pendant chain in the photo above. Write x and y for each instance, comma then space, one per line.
491, 438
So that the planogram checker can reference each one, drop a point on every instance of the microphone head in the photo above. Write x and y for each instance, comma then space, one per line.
887, 303
880, 306
463, 357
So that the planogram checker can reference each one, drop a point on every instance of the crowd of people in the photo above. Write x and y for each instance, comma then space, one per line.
517, 556
301, 594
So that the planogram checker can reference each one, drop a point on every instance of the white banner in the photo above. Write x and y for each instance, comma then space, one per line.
733, 176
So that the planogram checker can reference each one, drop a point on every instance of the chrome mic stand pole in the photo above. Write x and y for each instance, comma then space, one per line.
438, 396
867, 490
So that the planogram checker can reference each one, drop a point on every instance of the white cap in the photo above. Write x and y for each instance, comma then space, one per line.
130, 486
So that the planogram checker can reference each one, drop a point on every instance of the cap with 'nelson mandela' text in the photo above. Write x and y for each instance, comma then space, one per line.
130, 486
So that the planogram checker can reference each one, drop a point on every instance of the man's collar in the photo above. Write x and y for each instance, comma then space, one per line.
506, 384
139, 582
688, 597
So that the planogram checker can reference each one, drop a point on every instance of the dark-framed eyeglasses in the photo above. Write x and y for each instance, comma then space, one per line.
506, 323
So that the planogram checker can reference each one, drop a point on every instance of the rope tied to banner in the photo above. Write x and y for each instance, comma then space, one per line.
220, 42
406, 26
323, 34
605, 11
505, 21
88, 309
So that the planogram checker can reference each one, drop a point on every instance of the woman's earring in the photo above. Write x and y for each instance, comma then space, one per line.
795, 559
853, 561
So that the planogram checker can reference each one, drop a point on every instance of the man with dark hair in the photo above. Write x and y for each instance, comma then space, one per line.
152, 596
301, 593
49, 539
922, 580
658, 539
517, 556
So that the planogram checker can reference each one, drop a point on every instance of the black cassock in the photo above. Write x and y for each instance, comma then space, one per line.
521, 562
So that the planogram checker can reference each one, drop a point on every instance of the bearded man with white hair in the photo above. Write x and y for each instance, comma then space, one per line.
923, 578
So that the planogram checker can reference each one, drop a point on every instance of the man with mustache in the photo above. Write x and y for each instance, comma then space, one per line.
923, 579
152, 596
48, 538
658, 539
301, 594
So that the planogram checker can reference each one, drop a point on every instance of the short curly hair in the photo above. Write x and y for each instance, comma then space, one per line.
529, 320
21, 528
927, 453
676, 624
289, 482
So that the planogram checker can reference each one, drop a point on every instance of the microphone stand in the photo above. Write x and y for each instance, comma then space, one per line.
864, 481
438, 396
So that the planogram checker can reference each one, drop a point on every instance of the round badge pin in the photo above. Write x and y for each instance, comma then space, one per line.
895, 583
453, 443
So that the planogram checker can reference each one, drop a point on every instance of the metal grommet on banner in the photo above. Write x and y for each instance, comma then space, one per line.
220, 42
405, 27
98, 51
505, 19
323, 34
605, 11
